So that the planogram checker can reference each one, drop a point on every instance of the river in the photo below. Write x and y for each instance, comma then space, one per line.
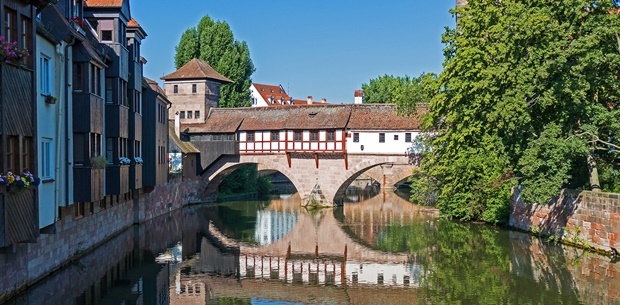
375, 249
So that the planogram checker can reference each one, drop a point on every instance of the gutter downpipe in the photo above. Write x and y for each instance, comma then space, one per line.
66, 119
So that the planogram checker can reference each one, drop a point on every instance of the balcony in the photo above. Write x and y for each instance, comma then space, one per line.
87, 113
135, 176
119, 67
116, 121
88, 184
19, 220
117, 179
135, 126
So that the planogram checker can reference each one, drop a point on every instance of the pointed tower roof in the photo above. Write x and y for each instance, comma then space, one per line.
196, 69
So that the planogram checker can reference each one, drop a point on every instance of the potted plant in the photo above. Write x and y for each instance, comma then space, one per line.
12, 181
98, 162
50, 99
138, 160
10, 52
124, 160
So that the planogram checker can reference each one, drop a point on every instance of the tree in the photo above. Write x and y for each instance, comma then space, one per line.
213, 42
405, 91
525, 84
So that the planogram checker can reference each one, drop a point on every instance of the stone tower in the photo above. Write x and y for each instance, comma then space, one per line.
193, 90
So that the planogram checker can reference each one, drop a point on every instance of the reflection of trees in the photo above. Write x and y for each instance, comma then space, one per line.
233, 301
473, 263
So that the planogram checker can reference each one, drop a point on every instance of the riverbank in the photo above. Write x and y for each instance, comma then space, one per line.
585, 219
79, 232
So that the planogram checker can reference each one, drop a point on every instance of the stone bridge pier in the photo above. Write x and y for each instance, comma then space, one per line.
319, 179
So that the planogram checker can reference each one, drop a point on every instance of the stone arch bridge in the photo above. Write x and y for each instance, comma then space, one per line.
322, 181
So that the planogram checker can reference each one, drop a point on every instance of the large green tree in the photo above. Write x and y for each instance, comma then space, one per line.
213, 42
528, 96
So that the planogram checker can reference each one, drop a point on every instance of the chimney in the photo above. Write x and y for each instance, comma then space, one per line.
323, 100
359, 96
177, 125
310, 100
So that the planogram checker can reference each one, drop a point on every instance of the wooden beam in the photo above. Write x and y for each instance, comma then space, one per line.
316, 159
346, 161
288, 159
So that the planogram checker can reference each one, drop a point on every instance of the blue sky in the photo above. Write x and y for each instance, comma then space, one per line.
322, 48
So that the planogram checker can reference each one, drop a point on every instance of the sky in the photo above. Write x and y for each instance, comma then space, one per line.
321, 48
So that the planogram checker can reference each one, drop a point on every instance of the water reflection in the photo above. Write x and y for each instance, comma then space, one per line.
381, 250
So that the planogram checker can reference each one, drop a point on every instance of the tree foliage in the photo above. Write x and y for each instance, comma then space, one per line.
213, 42
529, 91
404, 91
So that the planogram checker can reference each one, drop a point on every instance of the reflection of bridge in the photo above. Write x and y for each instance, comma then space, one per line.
320, 148
318, 250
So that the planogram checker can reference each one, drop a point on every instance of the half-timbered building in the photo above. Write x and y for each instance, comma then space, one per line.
18, 125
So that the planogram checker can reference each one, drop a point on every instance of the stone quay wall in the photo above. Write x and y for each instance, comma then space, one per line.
587, 219
26, 263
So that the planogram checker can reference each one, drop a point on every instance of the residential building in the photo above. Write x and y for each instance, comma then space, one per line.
18, 125
193, 89
154, 134
264, 95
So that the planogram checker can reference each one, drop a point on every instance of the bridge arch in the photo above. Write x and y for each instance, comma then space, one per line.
219, 170
385, 169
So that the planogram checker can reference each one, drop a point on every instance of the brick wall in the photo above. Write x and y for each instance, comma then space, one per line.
26, 263
585, 218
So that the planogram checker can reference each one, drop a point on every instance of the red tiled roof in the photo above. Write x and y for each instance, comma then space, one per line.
155, 86
104, 3
133, 23
267, 91
197, 69
308, 117
382, 117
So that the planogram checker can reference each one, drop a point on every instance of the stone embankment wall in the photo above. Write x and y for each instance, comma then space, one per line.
588, 219
26, 263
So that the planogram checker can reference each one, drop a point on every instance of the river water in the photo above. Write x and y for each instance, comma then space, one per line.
376, 249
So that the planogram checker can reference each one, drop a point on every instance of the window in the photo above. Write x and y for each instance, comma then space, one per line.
298, 136
395, 137
10, 24
314, 136
109, 150
25, 153
46, 158
12, 153
109, 90
27, 38
176, 89
356, 137
106, 30
196, 114
78, 77
189, 114
137, 102
95, 87
275, 135
123, 93
106, 35
95, 144
382, 137
408, 137
193, 88
331, 136
44, 71
77, 8
250, 136
182, 114
137, 150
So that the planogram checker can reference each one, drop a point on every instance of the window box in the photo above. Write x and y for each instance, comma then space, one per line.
50, 99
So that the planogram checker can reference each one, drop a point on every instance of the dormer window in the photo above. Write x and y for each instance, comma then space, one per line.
106, 35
